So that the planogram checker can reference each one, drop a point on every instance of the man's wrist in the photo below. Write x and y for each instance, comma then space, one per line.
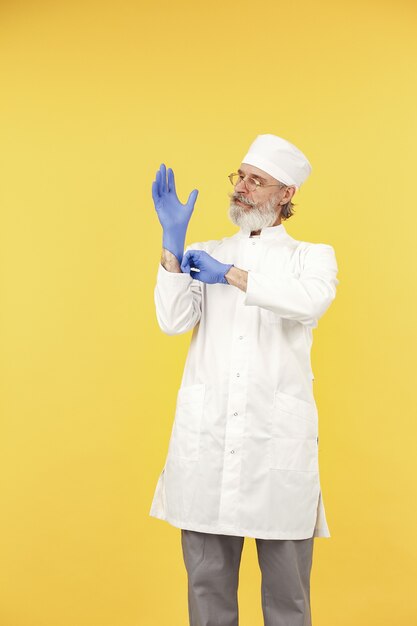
237, 277
170, 262
174, 243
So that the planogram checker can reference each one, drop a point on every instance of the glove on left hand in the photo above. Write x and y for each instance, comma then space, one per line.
211, 270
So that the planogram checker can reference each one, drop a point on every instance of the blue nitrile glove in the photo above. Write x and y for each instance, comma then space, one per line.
173, 215
211, 270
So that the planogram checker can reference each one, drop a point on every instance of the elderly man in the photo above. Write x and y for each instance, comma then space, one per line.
243, 454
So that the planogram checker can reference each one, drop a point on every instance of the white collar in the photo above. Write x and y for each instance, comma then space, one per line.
271, 232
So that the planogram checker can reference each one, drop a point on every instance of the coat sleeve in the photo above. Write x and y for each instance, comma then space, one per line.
177, 301
303, 298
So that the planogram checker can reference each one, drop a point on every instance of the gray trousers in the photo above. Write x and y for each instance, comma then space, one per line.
212, 563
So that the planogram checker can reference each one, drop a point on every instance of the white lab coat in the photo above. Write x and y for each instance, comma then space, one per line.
243, 453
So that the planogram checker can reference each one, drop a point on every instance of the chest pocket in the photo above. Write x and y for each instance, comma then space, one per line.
294, 434
185, 437
269, 317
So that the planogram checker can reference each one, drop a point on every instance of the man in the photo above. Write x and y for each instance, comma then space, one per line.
243, 454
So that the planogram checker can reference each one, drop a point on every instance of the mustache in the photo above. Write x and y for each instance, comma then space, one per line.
238, 196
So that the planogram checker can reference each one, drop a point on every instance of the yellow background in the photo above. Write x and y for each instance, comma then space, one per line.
94, 96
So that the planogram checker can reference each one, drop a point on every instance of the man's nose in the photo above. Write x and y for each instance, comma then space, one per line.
241, 187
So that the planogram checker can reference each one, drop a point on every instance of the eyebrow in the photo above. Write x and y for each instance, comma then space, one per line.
253, 176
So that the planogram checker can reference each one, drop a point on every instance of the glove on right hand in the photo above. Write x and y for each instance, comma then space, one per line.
173, 215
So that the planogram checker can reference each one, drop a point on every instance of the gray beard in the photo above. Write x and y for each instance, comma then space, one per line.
253, 218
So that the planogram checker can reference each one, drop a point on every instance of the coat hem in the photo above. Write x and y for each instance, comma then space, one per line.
242, 532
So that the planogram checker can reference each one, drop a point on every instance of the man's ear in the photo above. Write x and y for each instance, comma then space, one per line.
291, 191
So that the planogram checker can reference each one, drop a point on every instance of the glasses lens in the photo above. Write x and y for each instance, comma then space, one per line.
249, 182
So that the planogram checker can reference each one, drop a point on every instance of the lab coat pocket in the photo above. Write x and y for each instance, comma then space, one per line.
294, 434
185, 438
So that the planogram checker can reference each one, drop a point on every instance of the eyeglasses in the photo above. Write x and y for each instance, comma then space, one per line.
251, 183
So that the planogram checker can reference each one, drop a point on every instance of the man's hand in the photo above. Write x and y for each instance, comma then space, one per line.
211, 270
173, 215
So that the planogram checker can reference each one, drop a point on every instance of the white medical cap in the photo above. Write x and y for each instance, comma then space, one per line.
279, 158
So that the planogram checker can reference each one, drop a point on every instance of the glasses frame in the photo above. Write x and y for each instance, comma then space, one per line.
257, 182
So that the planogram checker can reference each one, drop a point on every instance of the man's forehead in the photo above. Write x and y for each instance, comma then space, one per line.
251, 170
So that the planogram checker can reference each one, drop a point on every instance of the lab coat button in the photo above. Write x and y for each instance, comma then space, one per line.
238, 374
241, 337
232, 451
235, 413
